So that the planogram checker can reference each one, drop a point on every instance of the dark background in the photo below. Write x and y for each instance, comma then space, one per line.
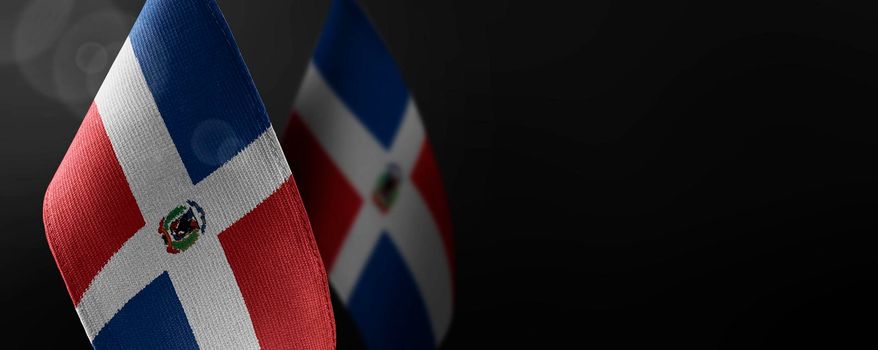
695, 174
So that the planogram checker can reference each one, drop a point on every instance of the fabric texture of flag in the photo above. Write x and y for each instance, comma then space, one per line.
371, 186
173, 217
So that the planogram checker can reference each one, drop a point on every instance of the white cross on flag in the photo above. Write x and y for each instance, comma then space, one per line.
173, 217
372, 188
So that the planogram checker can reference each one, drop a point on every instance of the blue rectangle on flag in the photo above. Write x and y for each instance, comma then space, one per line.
199, 82
386, 303
152, 319
353, 60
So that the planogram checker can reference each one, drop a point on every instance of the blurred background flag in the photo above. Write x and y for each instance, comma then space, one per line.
371, 186
173, 217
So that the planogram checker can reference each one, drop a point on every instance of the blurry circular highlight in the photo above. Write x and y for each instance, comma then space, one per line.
72, 71
92, 58
214, 141
40, 24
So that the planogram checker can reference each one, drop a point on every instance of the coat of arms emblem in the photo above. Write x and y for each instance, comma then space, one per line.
182, 226
387, 187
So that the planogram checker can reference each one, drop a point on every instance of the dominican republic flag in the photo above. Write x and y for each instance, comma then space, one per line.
372, 189
173, 217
